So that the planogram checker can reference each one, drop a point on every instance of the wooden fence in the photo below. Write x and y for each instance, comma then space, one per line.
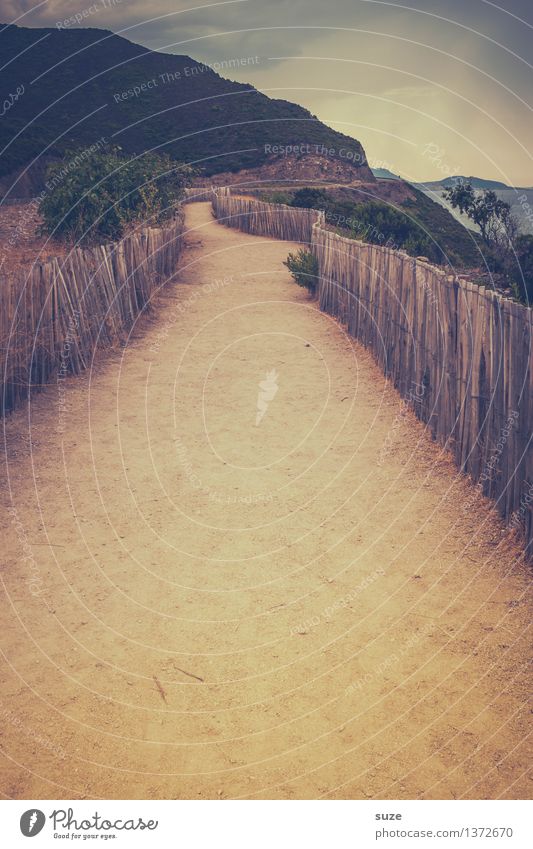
264, 219
54, 315
460, 354
196, 194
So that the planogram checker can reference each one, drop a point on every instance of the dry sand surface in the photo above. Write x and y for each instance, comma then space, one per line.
199, 606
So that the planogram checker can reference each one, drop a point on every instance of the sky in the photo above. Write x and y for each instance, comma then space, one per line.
430, 87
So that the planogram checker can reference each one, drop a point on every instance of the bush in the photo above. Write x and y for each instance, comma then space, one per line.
304, 268
94, 198
309, 199
380, 224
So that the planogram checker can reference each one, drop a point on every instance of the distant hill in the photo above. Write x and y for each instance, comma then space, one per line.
476, 182
520, 199
447, 182
76, 86
385, 174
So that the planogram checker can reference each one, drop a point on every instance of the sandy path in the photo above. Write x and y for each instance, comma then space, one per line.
356, 633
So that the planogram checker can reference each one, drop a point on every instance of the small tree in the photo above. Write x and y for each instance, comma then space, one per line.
93, 198
493, 216
304, 268
509, 254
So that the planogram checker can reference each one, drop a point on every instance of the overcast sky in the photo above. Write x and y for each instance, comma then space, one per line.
430, 87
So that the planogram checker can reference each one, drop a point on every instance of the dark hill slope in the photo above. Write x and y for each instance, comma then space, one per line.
79, 85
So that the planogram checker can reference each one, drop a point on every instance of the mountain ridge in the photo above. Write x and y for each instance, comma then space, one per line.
97, 84
475, 182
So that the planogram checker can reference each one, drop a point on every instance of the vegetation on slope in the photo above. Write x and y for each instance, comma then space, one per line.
420, 226
81, 85
97, 197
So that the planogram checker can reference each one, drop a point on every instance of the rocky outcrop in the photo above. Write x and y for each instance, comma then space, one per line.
341, 167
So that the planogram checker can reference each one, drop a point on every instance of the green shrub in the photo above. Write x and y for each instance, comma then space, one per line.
94, 198
309, 198
381, 224
304, 268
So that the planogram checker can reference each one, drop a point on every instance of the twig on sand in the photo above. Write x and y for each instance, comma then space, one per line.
161, 691
49, 544
190, 674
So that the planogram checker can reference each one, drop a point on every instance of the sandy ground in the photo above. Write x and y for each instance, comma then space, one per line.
195, 605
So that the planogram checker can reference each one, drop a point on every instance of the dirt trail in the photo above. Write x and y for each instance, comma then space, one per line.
199, 605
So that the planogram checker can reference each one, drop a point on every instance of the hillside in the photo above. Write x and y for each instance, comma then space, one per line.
84, 87
450, 182
384, 174
449, 242
459, 244
78, 86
